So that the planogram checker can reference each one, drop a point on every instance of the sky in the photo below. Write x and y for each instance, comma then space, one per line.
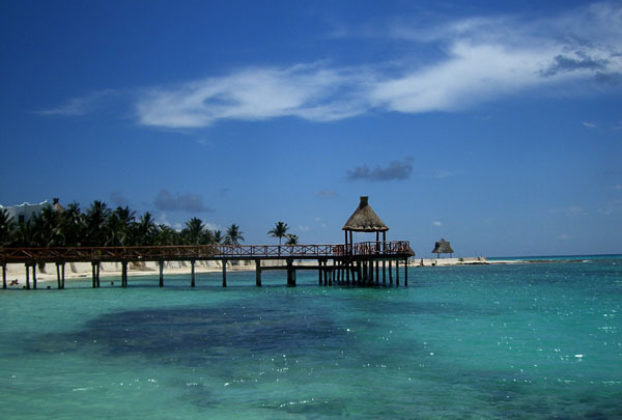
494, 125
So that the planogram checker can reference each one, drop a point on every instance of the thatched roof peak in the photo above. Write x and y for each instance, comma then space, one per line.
364, 219
442, 247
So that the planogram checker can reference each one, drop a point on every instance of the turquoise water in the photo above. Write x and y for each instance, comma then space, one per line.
516, 341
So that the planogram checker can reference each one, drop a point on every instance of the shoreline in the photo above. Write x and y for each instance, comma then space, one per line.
82, 270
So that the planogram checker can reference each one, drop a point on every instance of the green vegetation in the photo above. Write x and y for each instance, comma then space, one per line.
100, 225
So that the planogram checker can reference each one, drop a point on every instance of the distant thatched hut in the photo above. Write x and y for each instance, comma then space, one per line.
364, 219
442, 247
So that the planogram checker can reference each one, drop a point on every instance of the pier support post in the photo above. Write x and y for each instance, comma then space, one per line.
27, 277
258, 273
319, 272
192, 277
95, 268
384, 272
377, 271
34, 276
291, 273
123, 274
390, 273
348, 271
405, 272
224, 273
4, 275
161, 279
58, 286
397, 272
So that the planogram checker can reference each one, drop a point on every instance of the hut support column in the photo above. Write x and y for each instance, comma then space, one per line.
161, 279
123, 274
291, 273
405, 272
377, 272
224, 273
258, 273
390, 273
397, 272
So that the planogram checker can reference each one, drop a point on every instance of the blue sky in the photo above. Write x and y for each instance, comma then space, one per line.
496, 125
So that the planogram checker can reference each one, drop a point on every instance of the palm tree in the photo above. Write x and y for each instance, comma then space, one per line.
193, 233
217, 237
119, 226
96, 220
145, 230
291, 239
47, 228
72, 225
6, 227
233, 236
279, 231
166, 235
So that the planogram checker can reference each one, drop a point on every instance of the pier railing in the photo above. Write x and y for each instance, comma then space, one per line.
398, 249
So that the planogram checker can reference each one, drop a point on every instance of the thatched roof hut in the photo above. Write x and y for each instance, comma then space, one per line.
442, 247
364, 219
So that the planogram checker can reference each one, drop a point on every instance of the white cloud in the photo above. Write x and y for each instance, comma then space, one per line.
81, 105
588, 124
304, 228
563, 237
478, 59
437, 223
311, 92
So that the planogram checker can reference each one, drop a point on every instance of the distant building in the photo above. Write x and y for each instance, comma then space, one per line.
22, 213
442, 247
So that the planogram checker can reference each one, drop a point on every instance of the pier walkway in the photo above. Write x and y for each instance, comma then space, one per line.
363, 263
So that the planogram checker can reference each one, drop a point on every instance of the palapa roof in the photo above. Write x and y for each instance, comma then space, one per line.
364, 219
442, 247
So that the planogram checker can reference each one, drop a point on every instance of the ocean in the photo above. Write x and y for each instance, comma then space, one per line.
535, 341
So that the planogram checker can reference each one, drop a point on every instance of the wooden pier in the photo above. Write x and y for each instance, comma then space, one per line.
365, 263
361, 263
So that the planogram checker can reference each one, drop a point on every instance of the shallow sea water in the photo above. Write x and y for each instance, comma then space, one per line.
508, 341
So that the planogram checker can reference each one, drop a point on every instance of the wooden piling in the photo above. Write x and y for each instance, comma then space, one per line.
390, 273
397, 272
34, 276
123, 274
377, 272
405, 272
192, 276
161, 278
224, 273
27, 277
291, 273
4, 276
258, 273
384, 272
58, 286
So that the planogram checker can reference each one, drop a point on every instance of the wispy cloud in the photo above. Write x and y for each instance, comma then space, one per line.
190, 203
588, 124
309, 91
479, 59
437, 223
326, 193
82, 105
395, 170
